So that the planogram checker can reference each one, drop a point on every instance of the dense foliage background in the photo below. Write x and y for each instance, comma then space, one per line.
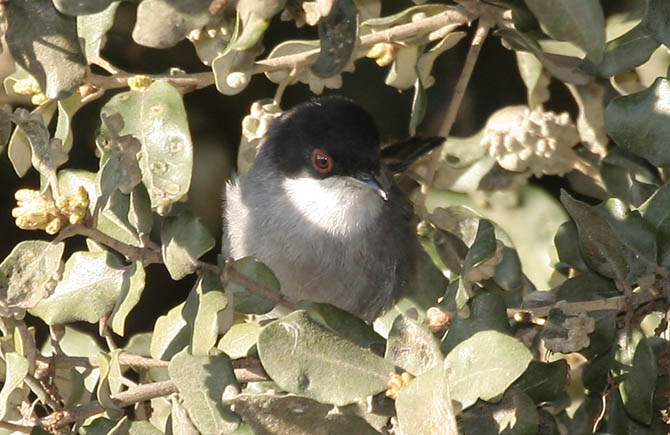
540, 306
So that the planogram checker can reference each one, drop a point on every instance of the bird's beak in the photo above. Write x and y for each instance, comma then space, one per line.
370, 181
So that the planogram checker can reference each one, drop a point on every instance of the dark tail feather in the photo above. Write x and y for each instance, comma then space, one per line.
399, 156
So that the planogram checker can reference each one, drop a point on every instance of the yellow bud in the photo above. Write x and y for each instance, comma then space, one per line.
38, 99
396, 383
139, 82
27, 86
35, 212
75, 206
382, 52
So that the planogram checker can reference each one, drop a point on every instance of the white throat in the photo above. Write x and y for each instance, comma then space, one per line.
333, 204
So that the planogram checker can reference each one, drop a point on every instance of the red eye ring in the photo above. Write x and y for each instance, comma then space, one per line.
322, 161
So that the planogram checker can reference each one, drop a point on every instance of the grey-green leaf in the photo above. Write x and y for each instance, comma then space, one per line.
133, 285
245, 301
238, 341
184, 239
19, 151
202, 381
581, 22
601, 249
171, 334
338, 33
637, 389
80, 7
289, 414
25, 275
484, 366
92, 29
411, 346
91, 284
16, 369
641, 122
45, 43
424, 406
201, 312
305, 358
163, 23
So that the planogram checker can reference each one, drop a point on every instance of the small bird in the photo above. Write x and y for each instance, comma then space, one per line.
322, 210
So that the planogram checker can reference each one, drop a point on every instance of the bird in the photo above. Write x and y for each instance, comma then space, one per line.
320, 207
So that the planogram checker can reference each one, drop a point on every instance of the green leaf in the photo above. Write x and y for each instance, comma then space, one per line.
344, 324
483, 248
67, 108
26, 275
657, 208
338, 33
202, 381
110, 382
484, 366
201, 311
184, 239
581, 22
402, 74
16, 369
405, 16
19, 150
425, 407
5, 126
426, 60
120, 169
305, 358
601, 249
157, 118
487, 312
171, 334
139, 213
133, 286
514, 414
289, 414
564, 68
544, 381
411, 346
255, 16
47, 153
419, 103
656, 18
624, 53
451, 250
90, 287
45, 43
162, 23
92, 29
77, 7
181, 424
240, 339
619, 420
245, 301
637, 389
233, 70
641, 122
536, 82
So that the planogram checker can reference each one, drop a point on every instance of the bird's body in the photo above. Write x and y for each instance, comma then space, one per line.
322, 212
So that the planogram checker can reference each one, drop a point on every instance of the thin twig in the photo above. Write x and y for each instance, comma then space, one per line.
617, 303
429, 25
246, 370
126, 398
125, 359
483, 27
145, 255
16, 427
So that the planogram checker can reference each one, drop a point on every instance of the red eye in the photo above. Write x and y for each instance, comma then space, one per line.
322, 161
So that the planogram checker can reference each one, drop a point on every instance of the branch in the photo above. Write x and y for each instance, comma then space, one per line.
393, 34
246, 370
452, 18
617, 303
485, 24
